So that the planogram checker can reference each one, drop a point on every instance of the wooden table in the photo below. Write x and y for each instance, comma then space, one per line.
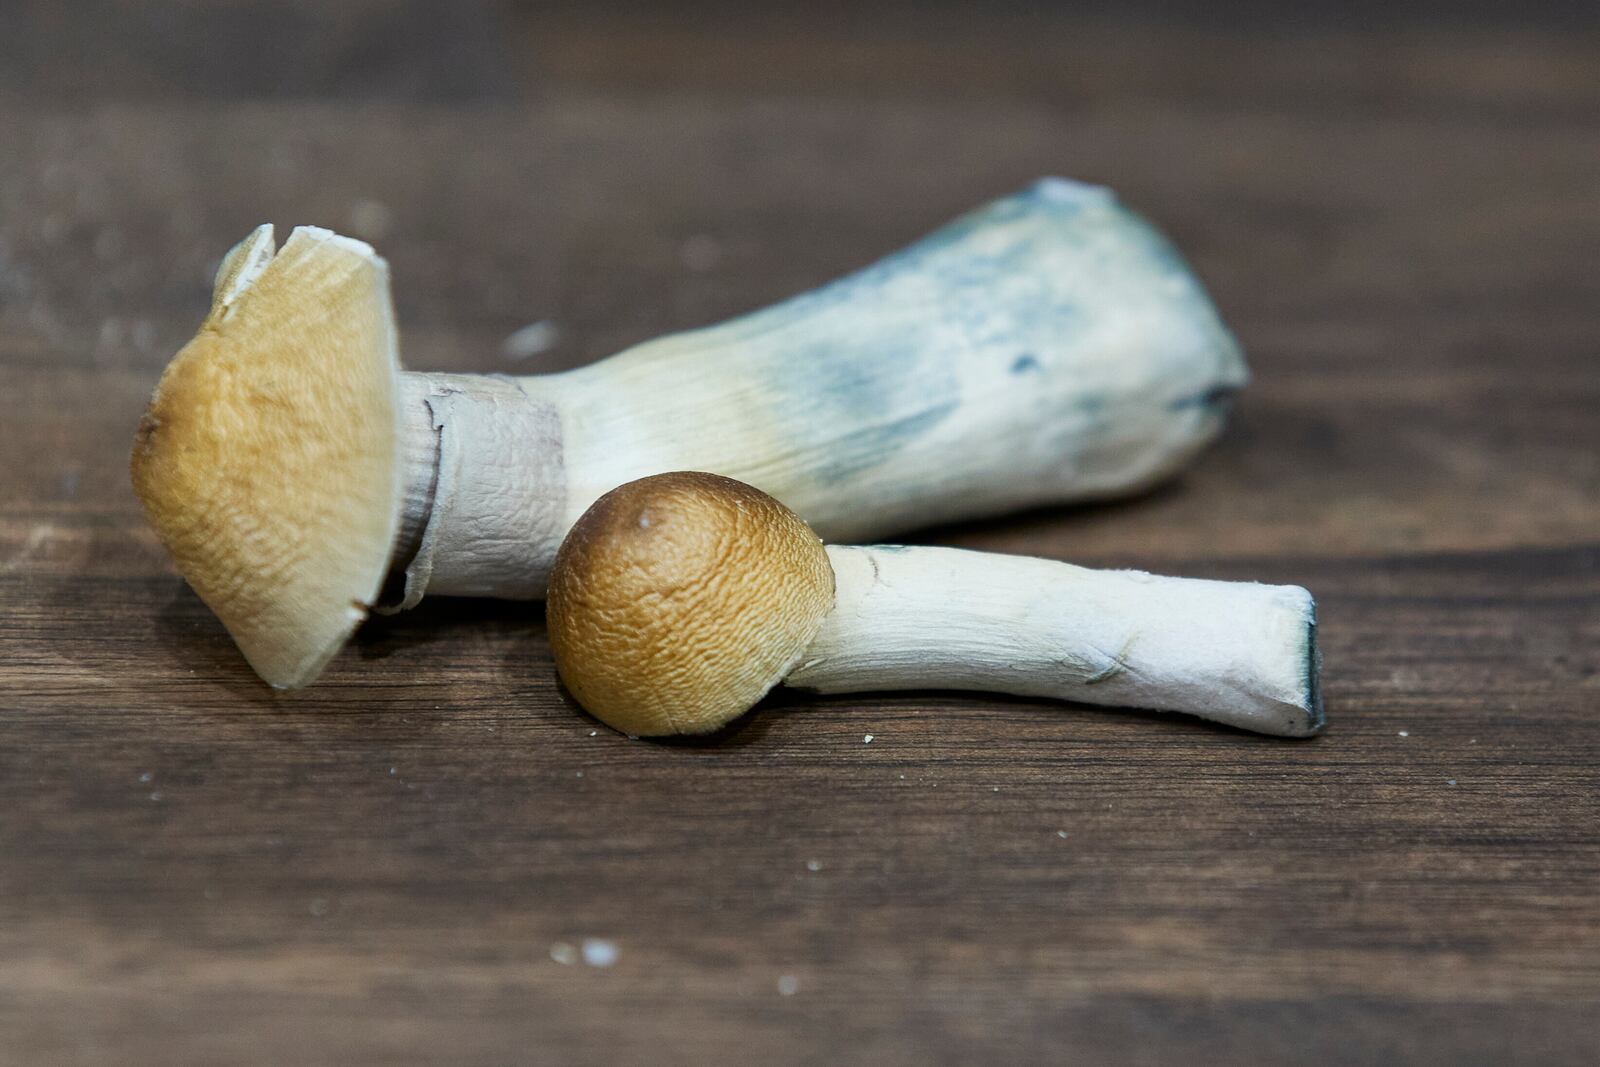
407, 862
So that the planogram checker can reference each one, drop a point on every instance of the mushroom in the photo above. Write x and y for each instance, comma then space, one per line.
1048, 347
679, 600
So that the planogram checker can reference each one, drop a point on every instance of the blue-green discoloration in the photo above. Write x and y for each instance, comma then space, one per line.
1058, 284
1315, 711
1217, 398
861, 449
888, 344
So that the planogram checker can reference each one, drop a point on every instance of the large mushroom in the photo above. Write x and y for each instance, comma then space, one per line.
679, 600
1048, 347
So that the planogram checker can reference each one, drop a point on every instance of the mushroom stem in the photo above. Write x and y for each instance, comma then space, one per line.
1048, 347
1239, 653
485, 502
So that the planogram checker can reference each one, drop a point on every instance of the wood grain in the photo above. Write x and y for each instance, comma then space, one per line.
380, 869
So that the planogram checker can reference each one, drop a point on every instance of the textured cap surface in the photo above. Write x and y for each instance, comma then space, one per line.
267, 461
679, 600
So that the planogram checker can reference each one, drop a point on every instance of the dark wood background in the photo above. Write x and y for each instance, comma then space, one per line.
1399, 212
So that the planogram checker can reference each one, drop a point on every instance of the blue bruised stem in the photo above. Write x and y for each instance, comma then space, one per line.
1316, 713
1048, 347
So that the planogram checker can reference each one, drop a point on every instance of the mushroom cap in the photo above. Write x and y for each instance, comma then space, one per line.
268, 459
679, 600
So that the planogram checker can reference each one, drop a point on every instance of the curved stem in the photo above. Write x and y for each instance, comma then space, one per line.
940, 618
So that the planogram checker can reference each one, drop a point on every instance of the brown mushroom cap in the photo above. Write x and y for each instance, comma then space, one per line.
268, 460
679, 600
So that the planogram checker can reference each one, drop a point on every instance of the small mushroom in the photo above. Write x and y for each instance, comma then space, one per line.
1048, 347
679, 600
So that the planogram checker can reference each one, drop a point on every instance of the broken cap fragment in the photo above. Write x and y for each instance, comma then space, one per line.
268, 460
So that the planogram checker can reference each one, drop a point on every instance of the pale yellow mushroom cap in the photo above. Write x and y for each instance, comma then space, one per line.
268, 462
678, 601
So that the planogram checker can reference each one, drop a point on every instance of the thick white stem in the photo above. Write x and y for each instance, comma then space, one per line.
939, 618
485, 504
1046, 348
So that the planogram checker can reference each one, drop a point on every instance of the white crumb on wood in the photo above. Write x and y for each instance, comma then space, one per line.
598, 952
533, 339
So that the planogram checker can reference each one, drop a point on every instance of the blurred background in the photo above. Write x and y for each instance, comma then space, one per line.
1396, 206
1357, 184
